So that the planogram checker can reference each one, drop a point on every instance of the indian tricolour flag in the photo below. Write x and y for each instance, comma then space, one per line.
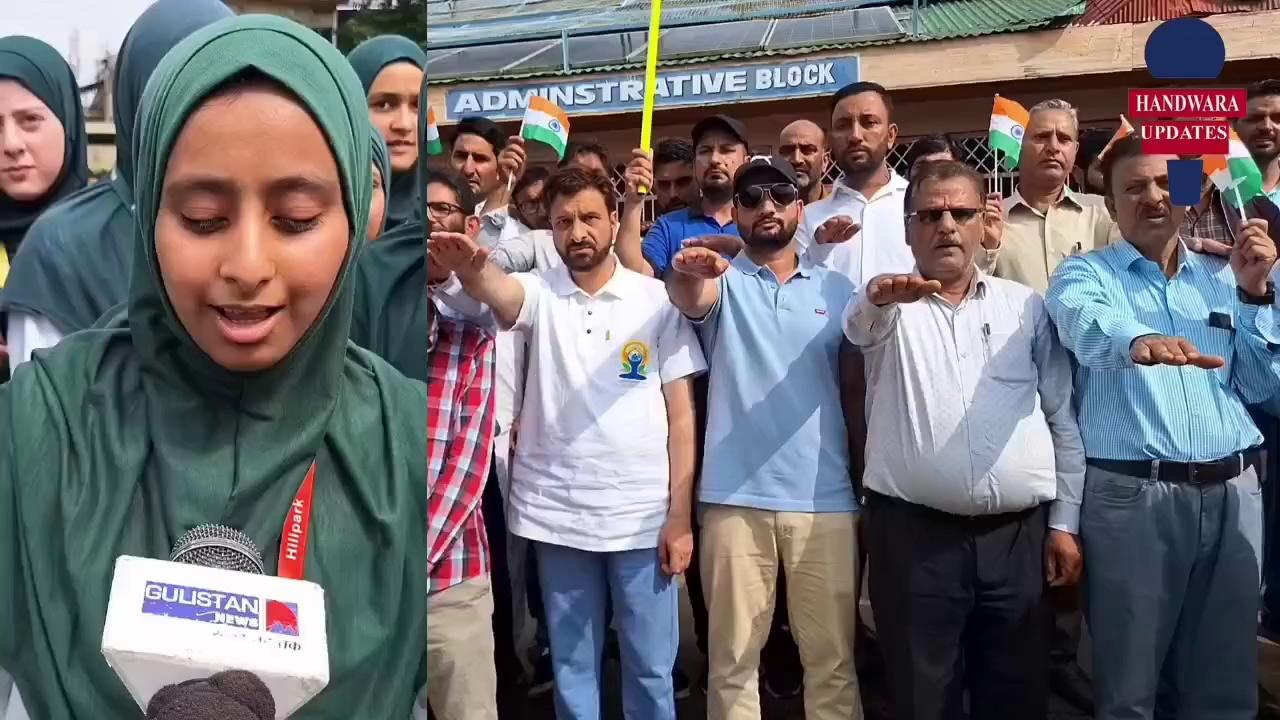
546, 123
1124, 131
1008, 123
434, 145
1235, 174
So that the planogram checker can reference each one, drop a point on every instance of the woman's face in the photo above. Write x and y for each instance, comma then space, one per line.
252, 231
378, 206
393, 108
33, 143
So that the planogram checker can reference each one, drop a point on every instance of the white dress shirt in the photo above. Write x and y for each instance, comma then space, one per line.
879, 247
969, 408
591, 469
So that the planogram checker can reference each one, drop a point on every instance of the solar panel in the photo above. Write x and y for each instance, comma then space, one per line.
590, 50
708, 39
850, 26
493, 59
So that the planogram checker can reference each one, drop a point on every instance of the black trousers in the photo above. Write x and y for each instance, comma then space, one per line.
506, 661
959, 606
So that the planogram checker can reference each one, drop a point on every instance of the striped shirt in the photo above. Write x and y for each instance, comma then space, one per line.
1104, 300
459, 446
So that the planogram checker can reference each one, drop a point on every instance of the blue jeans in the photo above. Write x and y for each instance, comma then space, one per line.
1172, 572
576, 585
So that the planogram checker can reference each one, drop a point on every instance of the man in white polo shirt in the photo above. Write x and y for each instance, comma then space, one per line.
603, 472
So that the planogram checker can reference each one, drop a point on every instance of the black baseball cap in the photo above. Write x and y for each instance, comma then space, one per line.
764, 171
720, 122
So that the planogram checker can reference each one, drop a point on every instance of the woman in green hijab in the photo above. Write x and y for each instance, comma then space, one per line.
228, 374
381, 171
391, 69
74, 264
42, 146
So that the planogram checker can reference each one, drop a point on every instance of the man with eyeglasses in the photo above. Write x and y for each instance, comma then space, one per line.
974, 466
775, 488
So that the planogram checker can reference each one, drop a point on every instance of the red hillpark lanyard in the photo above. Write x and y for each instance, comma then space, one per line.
297, 531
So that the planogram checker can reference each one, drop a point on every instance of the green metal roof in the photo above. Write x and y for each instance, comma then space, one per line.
938, 20
969, 18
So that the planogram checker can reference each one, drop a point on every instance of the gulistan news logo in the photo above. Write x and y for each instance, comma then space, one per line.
1188, 122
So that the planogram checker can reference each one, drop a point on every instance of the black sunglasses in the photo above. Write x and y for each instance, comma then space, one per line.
962, 216
782, 195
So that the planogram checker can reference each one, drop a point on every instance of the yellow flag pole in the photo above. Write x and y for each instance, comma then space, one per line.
650, 80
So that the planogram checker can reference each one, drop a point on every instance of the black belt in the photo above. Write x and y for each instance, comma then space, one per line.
1200, 473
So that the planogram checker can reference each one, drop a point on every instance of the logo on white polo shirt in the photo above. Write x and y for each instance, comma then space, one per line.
635, 361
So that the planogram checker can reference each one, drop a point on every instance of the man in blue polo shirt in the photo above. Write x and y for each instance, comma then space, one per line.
775, 488
720, 148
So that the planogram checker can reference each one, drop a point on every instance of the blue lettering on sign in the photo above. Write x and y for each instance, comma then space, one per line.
675, 88
202, 605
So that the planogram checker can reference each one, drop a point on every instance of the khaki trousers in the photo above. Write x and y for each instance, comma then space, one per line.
462, 683
742, 550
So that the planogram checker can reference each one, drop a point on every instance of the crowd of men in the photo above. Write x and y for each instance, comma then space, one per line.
996, 406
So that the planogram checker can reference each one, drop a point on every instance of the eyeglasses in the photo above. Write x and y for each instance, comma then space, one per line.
962, 215
442, 210
782, 195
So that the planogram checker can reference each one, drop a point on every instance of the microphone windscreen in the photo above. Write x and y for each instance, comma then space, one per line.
230, 695
218, 546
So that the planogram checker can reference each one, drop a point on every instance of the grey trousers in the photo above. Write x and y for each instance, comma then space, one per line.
1172, 574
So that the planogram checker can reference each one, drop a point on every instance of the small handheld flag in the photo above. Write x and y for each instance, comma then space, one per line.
546, 123
1235, 173
1008, 124
1124, 131
434, 145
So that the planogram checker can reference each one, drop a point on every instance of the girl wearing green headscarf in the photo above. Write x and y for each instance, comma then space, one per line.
391, 69
381, 171
227, 375
42, 141
74, 264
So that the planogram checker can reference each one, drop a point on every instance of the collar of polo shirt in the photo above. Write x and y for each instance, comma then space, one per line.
745, 265
621, 286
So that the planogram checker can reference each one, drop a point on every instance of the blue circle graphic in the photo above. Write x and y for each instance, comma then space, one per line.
1185, 49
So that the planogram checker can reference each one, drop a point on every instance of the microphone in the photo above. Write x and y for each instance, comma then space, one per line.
175, 628
231, 695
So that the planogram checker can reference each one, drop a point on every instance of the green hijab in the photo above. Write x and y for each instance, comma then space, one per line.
41, 70
126, 435
74, 264
382, 159
368, 59
391, 311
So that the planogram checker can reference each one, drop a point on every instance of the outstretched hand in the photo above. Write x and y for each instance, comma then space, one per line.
1176, 351
890, 289
456, 253
838, 229
700, 262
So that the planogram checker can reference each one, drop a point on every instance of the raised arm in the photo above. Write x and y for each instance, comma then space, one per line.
693, 283
481, 279
1256, 366
629, 244
873, 312
1101, 335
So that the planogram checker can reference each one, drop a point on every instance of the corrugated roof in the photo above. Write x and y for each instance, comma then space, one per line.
547, 18
1114, 12
939, 20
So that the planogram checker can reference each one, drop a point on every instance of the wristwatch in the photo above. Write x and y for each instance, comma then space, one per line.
1266, 298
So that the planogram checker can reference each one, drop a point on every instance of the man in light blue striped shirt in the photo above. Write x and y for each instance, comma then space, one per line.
1170, 345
